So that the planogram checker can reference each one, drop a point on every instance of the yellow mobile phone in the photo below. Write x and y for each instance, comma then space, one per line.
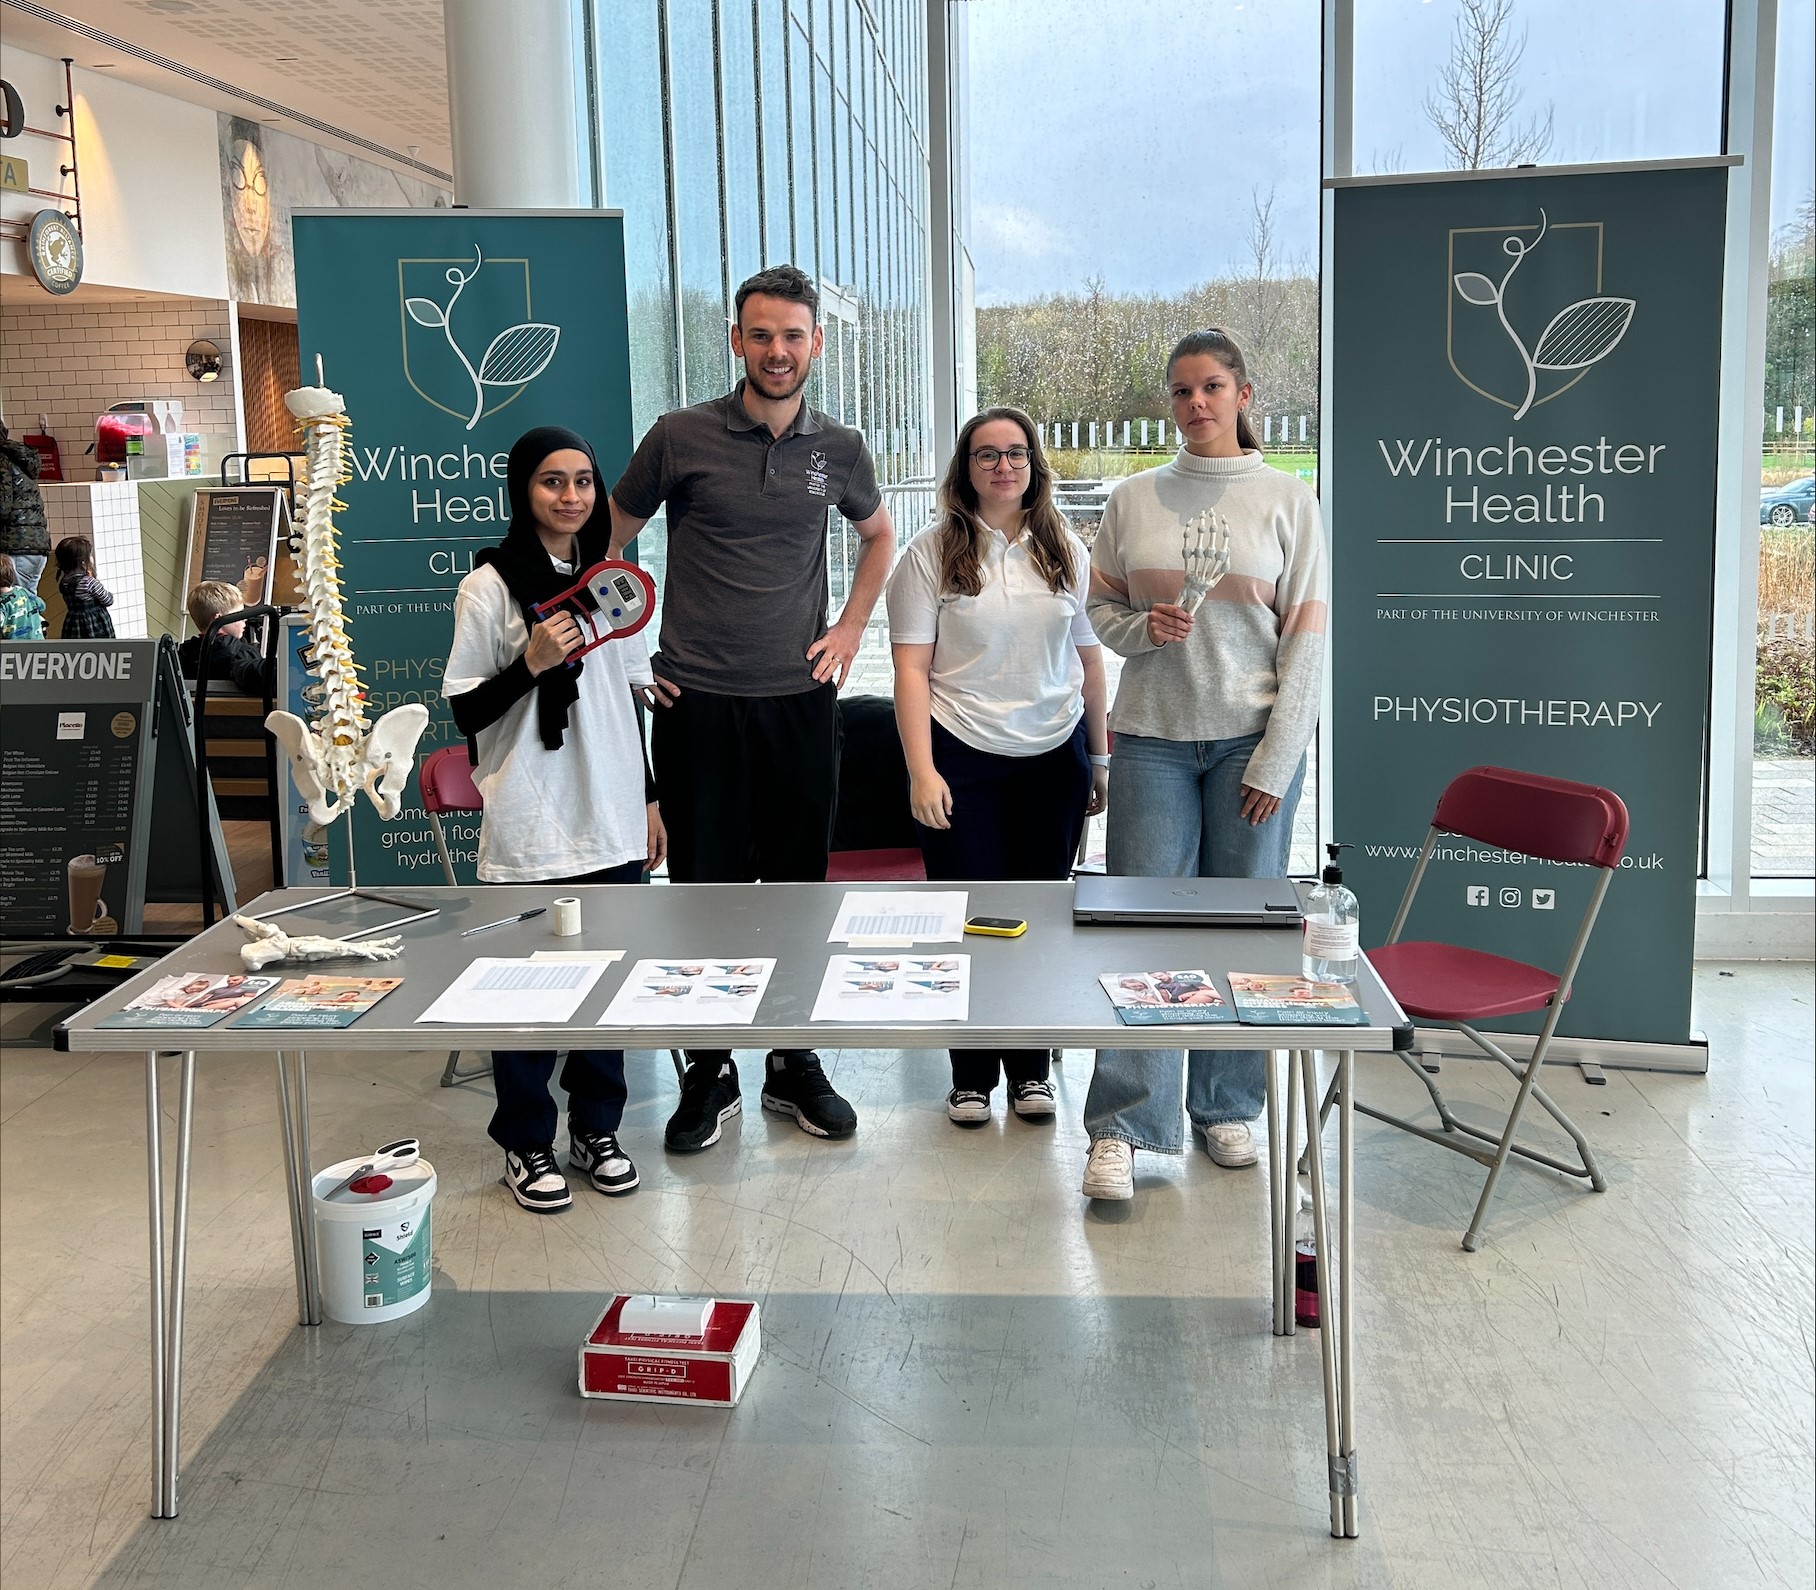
1002, 927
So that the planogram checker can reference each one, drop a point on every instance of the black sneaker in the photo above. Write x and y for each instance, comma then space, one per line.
794, 1084
534, 1181
604, 1163
709, 1097
1032, 1101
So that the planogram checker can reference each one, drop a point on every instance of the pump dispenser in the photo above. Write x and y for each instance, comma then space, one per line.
1332, 951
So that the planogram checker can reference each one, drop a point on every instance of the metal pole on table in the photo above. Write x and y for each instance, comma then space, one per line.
179, 1274
154, 1165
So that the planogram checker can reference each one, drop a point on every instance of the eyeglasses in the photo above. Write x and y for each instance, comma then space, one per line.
988, 456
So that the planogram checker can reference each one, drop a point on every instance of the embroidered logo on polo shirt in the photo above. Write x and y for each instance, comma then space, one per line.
816, 474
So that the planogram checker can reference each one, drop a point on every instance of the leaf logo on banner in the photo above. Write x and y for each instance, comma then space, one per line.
513, 358
1579, 335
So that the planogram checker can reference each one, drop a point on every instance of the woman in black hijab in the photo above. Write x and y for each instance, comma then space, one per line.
558, 759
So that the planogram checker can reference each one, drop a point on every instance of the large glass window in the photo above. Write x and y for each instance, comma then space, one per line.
1456, 84
1094, 253
1784, 718
630, 81
737, 70
705, 346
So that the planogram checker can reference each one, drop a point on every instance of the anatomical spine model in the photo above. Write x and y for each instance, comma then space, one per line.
342, 752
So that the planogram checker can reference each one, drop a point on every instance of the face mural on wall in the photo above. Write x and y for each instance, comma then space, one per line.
266, 174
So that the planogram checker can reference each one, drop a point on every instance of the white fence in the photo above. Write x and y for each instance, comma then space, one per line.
1277, 430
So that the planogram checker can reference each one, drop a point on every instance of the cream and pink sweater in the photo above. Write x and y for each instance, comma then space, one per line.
1255, 658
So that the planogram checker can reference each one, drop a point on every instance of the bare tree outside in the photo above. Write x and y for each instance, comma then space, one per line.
1477, 101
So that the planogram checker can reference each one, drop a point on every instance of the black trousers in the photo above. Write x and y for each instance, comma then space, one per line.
748, 786
525, 1115
1012, 817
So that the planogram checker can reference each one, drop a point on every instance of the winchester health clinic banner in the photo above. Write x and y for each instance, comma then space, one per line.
1522, 494
450, 333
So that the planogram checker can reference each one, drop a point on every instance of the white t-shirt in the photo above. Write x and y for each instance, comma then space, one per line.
551, 814
1006, 675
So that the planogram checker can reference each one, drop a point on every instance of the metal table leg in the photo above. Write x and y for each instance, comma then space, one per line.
293, 1116
1287, 1323
312, 1269
154, 1166
1346, 1293
1280, 1227
167, 1290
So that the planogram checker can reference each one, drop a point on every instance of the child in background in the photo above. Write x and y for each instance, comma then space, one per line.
230, 654
21, 611
85, 597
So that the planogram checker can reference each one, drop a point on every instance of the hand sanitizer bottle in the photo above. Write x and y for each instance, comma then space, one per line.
1333, 927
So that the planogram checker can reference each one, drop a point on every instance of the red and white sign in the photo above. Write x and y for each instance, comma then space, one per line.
629, 1366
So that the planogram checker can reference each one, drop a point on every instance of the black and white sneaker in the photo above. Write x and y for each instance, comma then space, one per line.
1032, 1101
967, 1107
709, 1098
606, 1165
794, 1084
534, 1181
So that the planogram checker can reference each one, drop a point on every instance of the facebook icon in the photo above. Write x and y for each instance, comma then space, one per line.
1476, 894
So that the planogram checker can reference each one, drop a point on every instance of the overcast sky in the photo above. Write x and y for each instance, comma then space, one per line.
1124, 139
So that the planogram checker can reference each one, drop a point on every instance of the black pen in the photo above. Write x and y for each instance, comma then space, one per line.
505, 921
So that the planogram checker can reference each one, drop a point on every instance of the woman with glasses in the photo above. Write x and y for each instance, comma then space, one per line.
1214, 711
999, 698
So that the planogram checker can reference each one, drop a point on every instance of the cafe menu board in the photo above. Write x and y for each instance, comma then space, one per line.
233, 537
78, 721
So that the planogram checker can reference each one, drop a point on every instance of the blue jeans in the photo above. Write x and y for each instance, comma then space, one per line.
1175, 812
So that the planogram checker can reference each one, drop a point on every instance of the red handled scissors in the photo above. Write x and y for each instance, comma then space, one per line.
610, 601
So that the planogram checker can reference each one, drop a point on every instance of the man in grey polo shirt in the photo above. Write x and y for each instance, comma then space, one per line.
746, 732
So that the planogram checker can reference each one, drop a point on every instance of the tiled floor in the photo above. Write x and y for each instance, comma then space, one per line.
969, 1377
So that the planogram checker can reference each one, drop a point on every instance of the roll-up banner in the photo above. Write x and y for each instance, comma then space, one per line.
1525, 382
450, 333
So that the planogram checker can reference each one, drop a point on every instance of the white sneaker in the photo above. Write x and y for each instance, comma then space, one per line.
967, 1107
1110, 1170
1231, 1143
534, 1181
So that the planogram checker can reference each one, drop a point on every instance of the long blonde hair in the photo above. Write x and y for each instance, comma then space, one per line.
962, 529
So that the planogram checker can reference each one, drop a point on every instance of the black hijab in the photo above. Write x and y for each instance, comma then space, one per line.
526, 568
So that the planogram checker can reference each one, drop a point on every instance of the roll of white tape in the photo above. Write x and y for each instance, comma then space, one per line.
567, 916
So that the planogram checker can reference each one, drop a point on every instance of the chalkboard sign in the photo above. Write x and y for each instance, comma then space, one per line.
233, 537
98, 788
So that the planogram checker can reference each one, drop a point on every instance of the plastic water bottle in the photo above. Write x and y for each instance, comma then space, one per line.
1332, 946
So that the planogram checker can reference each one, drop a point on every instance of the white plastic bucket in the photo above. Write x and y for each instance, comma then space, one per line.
374, 1247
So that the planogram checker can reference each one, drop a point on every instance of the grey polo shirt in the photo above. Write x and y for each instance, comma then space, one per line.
745, 594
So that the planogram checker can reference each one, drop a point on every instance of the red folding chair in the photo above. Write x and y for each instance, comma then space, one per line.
445, 778
1546, 819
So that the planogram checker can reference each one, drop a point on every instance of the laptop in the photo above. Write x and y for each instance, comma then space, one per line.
1186, 902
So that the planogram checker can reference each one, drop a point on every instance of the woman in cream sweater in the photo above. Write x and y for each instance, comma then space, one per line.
1212, 719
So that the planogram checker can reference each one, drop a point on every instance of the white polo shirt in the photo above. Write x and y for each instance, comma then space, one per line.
1006, 675
551, 814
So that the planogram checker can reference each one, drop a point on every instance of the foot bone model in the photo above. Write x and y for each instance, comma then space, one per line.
341, 751
1206, 550
271, 945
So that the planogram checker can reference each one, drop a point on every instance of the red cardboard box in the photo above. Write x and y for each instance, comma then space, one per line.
713, 1369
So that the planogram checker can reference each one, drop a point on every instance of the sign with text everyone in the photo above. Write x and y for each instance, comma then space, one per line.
450, 333
1525, 378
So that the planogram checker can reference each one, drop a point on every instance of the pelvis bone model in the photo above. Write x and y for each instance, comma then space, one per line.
341, 752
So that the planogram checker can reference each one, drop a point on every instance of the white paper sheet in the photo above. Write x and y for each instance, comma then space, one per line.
604, 957
883, 916
892, 988
502, 991
723, 991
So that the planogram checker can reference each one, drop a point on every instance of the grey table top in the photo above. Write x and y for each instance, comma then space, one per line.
1036, 991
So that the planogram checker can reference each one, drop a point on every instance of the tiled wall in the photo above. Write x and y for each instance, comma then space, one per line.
107, 512
70, 361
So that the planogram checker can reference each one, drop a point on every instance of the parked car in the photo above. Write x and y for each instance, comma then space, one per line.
1793, 503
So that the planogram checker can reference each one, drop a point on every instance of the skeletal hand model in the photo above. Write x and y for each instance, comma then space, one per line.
341, 752
1207, 557
271, 944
